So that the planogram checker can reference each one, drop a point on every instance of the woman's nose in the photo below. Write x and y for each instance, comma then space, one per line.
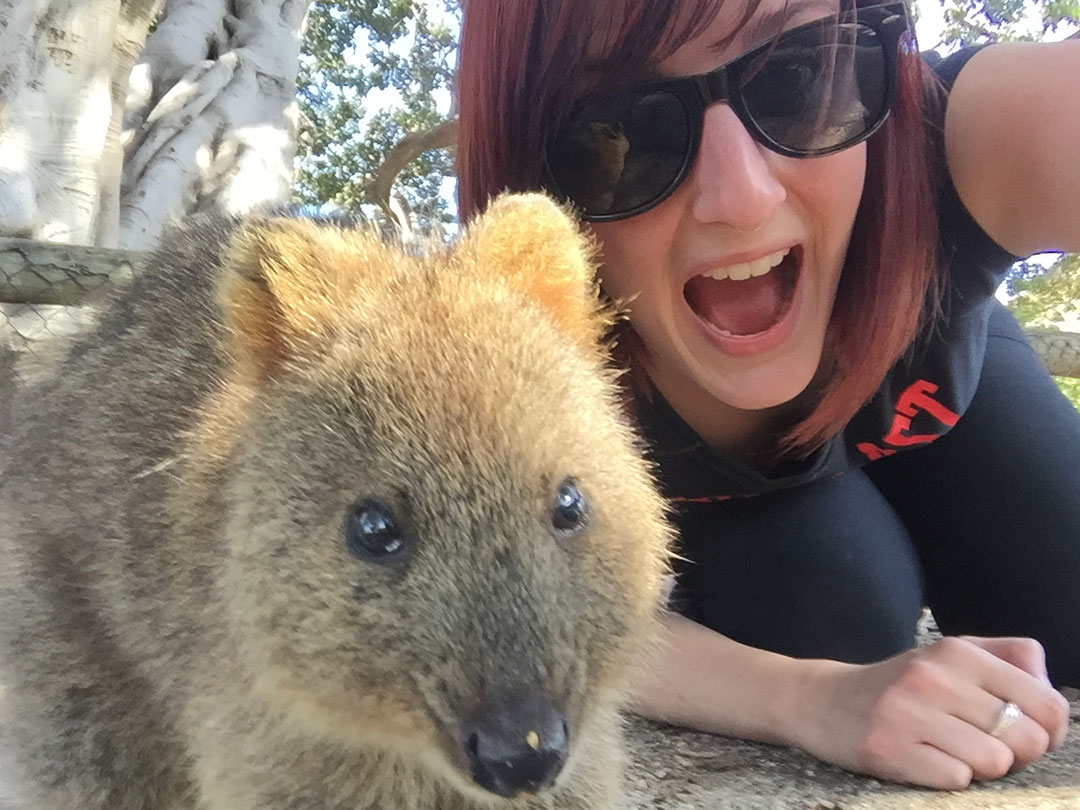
732, 181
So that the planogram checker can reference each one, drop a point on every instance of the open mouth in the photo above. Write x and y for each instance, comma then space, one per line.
746, 299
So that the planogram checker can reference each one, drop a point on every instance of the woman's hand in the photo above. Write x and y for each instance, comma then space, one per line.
925, 717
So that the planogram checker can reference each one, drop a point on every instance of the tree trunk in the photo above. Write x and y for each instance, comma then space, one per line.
212, 118
64, 66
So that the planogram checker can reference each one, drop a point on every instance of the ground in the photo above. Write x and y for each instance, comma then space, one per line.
675, 769
678, 770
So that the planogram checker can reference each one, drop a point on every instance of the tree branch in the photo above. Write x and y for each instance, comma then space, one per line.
443, 135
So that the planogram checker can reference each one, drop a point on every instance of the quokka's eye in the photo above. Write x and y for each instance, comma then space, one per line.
372, 534
570, 512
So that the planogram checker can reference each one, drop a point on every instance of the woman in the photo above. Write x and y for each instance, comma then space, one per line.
807, 225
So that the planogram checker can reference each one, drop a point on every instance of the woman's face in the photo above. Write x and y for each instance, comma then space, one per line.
710, 337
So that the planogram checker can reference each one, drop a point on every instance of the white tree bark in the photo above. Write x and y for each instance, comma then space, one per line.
208, 119
211, 116
63, 75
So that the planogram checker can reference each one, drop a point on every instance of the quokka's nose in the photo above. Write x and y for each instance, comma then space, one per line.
516, 742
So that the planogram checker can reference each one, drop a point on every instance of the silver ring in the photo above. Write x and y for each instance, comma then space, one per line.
1010, 713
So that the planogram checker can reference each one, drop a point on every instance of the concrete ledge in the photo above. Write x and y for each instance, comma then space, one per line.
49, 273
72, 275
676, 769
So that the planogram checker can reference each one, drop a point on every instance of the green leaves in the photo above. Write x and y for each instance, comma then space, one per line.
373, 71
1049, 298
969, 22
1056, 12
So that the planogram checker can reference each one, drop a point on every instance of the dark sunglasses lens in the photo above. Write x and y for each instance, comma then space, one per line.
819, 87
616, 155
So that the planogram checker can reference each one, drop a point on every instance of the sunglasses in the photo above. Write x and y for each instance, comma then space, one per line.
811, 91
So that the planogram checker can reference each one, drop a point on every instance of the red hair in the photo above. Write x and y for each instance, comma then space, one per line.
524, 62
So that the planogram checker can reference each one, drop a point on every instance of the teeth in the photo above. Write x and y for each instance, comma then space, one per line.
745, 270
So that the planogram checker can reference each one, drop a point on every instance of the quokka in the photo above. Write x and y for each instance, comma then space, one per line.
308, 522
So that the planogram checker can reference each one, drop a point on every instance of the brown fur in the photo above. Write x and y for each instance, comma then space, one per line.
181, 622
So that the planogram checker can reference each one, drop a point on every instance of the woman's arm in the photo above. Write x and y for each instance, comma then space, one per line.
706, 681
921, 717
1011, 142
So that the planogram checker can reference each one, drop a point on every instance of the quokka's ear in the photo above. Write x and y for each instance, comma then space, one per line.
538, 247
287, 283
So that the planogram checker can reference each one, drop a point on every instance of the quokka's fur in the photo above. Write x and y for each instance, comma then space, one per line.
182, 624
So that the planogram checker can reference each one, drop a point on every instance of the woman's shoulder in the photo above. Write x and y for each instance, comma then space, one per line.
976, 261
1011, 119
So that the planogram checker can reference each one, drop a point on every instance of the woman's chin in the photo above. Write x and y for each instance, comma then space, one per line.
769, 385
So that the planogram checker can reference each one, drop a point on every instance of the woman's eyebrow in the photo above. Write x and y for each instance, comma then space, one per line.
761, 27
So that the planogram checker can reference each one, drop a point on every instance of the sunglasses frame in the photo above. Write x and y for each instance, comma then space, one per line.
696, 93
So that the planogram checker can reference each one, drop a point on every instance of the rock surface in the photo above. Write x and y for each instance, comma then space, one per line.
675, 769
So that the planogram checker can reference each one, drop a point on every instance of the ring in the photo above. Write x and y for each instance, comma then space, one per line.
1010, 713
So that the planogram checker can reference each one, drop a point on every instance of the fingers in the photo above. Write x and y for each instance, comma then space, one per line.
985, 756
935, 769
945, 706
926, 717
1028, 741
990, 757
1015, 671
1023, 653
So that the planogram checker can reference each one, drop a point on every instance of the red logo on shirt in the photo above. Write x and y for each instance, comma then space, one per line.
915, 399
